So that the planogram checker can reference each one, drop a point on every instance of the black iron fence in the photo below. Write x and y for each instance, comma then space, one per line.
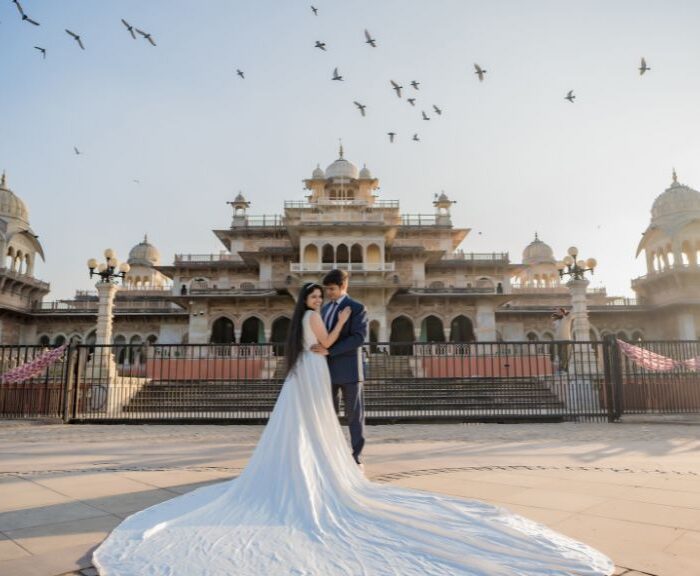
404, 382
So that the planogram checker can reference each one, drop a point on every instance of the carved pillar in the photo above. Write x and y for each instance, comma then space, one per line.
485, 329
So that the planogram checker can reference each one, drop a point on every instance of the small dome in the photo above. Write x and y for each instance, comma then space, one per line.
318, 174
678, 200
239, 198
365, 173
443, 198
11, 205
537, 252
144, 254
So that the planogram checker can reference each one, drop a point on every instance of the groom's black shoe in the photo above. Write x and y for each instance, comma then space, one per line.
356, 458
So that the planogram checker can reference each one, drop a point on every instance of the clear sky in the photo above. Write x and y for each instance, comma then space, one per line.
516, 156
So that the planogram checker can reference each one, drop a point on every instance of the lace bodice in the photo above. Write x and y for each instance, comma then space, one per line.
308, 334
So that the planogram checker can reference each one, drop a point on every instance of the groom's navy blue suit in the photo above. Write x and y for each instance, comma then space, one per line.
345, 362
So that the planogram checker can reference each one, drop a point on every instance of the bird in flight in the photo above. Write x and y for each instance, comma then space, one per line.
425, 116
360, 107
415, 138
415, 84
396, 87
438, 111
77, 152
42, 50
314, 10
240, 73
411, 101
643, 68
369, 40
320, 45
336, 76
570, 96
146, 35
480, 72
76, 37
391, 136
130, 28
24, 16
136, 181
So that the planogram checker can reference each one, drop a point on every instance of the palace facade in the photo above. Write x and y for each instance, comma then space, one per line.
409, 269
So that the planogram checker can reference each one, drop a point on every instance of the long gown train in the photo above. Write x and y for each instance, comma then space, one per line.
302, 507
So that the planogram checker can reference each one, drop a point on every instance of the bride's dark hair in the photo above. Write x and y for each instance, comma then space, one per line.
295, 339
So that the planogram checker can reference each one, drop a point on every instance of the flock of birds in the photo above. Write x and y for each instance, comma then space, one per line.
76, 37
479, 71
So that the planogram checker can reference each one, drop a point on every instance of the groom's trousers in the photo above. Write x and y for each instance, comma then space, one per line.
353, 400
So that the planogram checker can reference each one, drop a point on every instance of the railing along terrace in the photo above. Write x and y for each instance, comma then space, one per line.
349, 266
225, 257
478, 256
262, 221
305, 205
119, 305
404, 381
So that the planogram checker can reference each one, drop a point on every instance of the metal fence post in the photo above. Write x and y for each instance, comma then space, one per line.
613, 377
69, 380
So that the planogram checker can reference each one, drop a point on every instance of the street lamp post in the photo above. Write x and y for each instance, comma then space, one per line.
109, 272
576, 271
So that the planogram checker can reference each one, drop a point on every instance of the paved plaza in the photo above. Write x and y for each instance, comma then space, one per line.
630, 489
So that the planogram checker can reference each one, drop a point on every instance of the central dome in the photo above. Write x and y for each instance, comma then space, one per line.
12, 205
342, 168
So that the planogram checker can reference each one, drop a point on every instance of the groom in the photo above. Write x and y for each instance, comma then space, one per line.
345, 356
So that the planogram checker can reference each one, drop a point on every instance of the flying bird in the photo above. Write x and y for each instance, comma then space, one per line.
240, 73
130, 28
77, 152
570, 96
361, 107
146, 35
480, 72
25, 18
320, 45
136, 181
411, 101
415, 84
371, 41
396, 87
643, 68
391, 136
314, 10
76, 37
438, 111
42, 50
415, 138
336, 76
425, 116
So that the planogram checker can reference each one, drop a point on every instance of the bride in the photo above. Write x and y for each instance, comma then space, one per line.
303, 507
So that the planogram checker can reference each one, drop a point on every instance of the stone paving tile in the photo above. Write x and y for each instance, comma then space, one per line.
10, 550
27, 494
86, 531
84, 486
123, 505
46, 515
645, 513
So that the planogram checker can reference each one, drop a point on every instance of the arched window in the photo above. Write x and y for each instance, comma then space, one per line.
637, 336
356, 253
485, 283
436, 284
311, 254
252, 331
327, 256
532, 337
431, 330
120, 349
401, 332
59, 340
341, 254
622, 335
222, 331
45, 341
461, 329
373, 335
135, 349
280, 329
374, 254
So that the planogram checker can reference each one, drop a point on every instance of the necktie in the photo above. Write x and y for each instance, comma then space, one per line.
329, 316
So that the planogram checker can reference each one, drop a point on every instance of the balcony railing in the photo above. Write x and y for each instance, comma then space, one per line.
349, 266
26, 278
478, 256
305, 205
206, 258
261, 221
339, 216
91, 306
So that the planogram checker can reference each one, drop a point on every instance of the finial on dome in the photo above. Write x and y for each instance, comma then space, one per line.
536, 237
675, 176
145, 238
3, 180
341, 146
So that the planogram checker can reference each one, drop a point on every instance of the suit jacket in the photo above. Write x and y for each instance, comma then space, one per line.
345, 360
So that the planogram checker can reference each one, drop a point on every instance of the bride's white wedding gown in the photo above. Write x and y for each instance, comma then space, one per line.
302, 507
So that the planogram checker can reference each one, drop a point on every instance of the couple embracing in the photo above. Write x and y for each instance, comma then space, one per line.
340, 325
